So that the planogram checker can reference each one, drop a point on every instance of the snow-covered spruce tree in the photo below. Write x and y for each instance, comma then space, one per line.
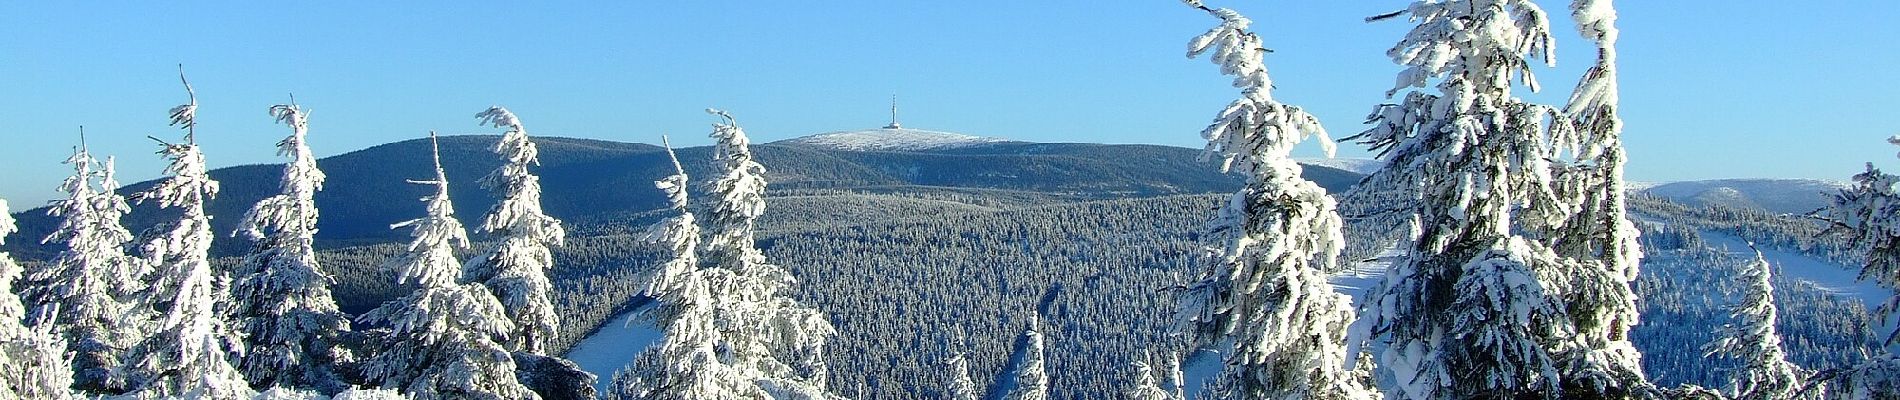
1148, 383
1031, 378
33, 361
1264, 286
687, 363
782, 340
188, 355
516, 268
1868, 214
1599, 360
729, 326
1514, 278
76, 292
961, 386
440, 341
284, 306
1765, 373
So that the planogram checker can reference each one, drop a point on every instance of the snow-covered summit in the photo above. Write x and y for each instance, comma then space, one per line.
889, 139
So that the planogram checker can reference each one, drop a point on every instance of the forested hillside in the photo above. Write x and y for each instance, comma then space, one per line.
901, 271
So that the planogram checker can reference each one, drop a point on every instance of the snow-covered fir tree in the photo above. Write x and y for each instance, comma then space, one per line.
777, 337
33, 361
188, 355
1765, 373
1599, 360
1868, 214
284, 306
1514, 277
961, 386
1264, 286
516, 268
440, 340
732, 331
1149, 382
686, 363
1030, 381
77, 291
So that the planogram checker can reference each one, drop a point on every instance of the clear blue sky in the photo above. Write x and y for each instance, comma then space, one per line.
1711, 89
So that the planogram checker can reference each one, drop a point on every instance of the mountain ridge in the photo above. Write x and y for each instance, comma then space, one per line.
596, 183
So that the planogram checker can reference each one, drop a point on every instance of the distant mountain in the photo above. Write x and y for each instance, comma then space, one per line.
1787, 196
890, 139
600, 185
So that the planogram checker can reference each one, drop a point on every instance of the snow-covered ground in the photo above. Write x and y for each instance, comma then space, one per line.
892, 140
614, 346
1831, 277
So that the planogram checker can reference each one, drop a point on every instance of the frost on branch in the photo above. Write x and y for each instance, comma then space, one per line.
284, 306
1263, 288
516, 267
440, 340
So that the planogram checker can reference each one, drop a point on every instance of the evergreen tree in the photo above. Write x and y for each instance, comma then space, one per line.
1868, 214
1514, 280
516, 268
1264, 286
33, 361
284, 306
687, 364
440, 341
730, 328
961, 386
1148, 384
1598, 360
189, 354
774, 335
1766, 373
1031, 380
78, 290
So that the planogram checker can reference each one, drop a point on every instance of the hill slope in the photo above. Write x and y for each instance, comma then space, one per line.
598, 185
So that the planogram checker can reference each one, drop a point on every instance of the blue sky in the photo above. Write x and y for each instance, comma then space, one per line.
1745, 88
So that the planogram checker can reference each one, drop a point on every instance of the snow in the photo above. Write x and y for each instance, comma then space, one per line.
901, 139
1831, 277
614, 345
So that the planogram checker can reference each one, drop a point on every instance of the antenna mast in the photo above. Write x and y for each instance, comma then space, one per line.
894, 124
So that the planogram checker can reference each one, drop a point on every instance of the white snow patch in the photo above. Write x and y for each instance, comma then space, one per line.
1363, 166
892, 140
614, 346
1833, 278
